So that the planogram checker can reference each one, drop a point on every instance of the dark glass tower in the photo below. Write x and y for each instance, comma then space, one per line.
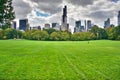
107, 23
119, 18
64, 19
23, 24
64, 14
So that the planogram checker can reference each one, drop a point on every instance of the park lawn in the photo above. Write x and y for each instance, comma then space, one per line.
47, 60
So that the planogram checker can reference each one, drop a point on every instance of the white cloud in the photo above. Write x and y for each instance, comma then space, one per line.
95, 10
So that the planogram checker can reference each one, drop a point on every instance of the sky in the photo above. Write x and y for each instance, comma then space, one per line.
40, 12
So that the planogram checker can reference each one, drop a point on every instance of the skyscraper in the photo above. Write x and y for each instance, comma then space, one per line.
47, 26
23, 24
56, 26
89, 25
119, 18
107, 23
64, 20
14, 24
77, 26
85, 25
35, 28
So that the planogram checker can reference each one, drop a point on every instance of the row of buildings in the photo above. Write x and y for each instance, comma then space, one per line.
24, 25
107, 23
82, 28
79, 27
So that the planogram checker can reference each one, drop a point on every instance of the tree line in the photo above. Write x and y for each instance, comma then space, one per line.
96, 33
7, 13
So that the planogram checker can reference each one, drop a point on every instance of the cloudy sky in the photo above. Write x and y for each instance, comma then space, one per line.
48, 11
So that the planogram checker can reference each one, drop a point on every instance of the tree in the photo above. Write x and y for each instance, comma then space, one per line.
55, 36
95, 30
112, 33
81, 36
2, 11
10, 33
118, 30
1, 34
64, 36
28, 34
98, 33
40, 35
102, 34
19, 34
6, 13
49, 31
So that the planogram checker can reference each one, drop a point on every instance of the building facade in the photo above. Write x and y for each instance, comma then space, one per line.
47, 26
119, 18
35, 28
77, 26
89, 25
56, 26
64, 26
107, 23
23, 24
14, 24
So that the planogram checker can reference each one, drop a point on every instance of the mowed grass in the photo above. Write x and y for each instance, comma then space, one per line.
40, 60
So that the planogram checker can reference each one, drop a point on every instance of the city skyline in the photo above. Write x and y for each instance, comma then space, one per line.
40, 12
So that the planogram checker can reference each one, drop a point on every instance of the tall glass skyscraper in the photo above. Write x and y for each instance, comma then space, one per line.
107, 23
119, 18
23, 24
64, 26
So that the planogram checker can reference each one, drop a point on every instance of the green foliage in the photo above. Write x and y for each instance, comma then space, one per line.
102, 34
55, 36
95, 31
81, 36
98, 33
60, 36
64, 36
6, 13
28, 34
49, 31
12, 33
36, 35
40, 35
118, 38
112, 33
1, 34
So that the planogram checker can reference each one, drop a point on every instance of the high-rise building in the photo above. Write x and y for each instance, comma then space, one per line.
85, 27
47, 26
39, 27
107, 23
77, 26
119, 18
89, 25
23, 24
14, 25
56, 26
64, 20
35, 28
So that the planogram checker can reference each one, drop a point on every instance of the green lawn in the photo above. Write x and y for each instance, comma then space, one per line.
33, 60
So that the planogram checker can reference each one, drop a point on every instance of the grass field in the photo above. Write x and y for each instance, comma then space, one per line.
33, 60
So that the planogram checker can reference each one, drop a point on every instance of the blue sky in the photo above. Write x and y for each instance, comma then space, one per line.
38, 13
115, 0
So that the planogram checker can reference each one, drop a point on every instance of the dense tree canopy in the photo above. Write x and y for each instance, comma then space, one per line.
96, 33
6, 13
